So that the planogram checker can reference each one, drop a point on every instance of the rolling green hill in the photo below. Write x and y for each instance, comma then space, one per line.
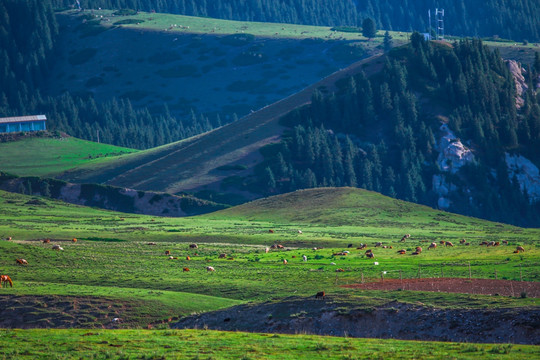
45, 156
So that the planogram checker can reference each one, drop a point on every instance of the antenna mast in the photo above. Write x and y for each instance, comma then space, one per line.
429, 28
439, 20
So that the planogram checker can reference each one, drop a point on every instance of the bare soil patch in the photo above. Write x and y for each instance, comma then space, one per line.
457, 285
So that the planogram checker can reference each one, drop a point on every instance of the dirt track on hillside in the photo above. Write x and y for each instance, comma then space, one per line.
456, 285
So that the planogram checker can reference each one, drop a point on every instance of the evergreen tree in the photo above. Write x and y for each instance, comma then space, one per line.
369, 29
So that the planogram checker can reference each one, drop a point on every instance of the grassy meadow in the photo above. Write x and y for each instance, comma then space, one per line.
112, 250
201, 344
43, 156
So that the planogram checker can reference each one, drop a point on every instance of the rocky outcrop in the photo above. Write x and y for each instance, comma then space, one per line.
521, 86
110, 197
526, 173
452, 156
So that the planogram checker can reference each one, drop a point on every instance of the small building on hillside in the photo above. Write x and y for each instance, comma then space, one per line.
22, 123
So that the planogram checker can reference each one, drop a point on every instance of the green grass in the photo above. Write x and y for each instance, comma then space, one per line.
201, 344
112, 250
45, 156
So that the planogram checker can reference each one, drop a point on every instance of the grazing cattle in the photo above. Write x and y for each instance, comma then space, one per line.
57, 247
193, 246
483, 243
21, 261
74, 240
284, 261
294, 256
222, 256
505, 242
377, 244
210, 268
171, 257
349, 246
266, 250
167, 252
415, 253
271, 231
491, 243
151, 243
340, 254
442, 242
340, 270
520, 248
4, 280
448, 243
370, 255
46, 241
402, 251
418, 249
467, 243
280, 246
8, 238
462, 241
188, 258
299, 231
185, 269
362, 246
497, 243
273, 246
432, 246
230, 258
304, 257
320, 295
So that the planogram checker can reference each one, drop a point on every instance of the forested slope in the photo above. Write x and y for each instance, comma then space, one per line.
513, 19
439, 125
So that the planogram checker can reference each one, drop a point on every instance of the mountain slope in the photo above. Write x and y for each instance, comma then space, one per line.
188, 165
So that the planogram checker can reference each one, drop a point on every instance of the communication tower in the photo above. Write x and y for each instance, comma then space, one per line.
439, 21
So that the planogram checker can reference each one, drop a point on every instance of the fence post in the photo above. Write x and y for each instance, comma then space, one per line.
520, 273
418, 275
400, 279
362, 277
495, 274
442, 271
470, 274
382, 276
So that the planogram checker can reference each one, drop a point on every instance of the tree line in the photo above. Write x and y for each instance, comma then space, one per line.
512, 19
28, 36
381, 133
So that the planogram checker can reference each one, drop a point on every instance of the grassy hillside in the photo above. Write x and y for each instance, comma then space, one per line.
114, 250
38, 156
194, 164
28, 344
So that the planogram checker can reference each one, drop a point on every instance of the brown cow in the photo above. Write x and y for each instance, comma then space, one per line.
8, 239
21, 261
520, 248
483, 243
362, 246
284, 261
402, 251
505, 242
320, 295
193, 246
462, 241
448, 243
377, 244
222, 256
432, 246
185, 269
340, 270
271, 231
4, 279
280, 246
46, 241
74, 240
442, 242
497, 243
418, 249
210, 268
370, 255
167, 252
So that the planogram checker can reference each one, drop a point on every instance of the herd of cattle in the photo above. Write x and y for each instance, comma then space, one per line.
368, 253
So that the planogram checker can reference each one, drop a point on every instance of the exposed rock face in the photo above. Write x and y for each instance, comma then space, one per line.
526, 173
521, 86
452, 156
